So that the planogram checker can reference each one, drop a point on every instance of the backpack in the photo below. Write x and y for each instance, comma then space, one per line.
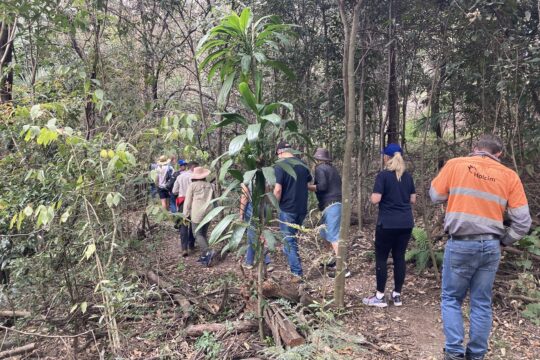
164, 172
170, 182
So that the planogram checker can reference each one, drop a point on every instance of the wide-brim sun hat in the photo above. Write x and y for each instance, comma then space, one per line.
163, 160
322, 154
199, 173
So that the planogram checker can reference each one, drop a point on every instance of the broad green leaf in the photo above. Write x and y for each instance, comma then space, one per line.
236, 237
269, 175
273, 200
211, 214
109, 200
215, 161
221, 227
224, 169
90, 250
273, 118
65, 215
287, 168
225, 90
247, 96
248, 176
245, 18
270, 239
84, 306
13, 221
245, 63
237, 144
28, 210
99, 94
252, 132
35, 112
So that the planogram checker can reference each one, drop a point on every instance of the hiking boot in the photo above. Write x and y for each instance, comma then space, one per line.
269, 268
374, 301
185, 253
297, 279
333, 274
453, 356
248, 266
331, 264
209, 257
396, 300
202, 259
469, 356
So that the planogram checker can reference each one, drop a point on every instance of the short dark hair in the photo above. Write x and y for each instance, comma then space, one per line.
489, 142
193, 164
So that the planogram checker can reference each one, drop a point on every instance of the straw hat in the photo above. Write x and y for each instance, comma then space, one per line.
322, 154
199, 173
163, 160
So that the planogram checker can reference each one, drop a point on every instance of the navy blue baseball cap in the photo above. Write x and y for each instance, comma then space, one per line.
182, 162
391, 149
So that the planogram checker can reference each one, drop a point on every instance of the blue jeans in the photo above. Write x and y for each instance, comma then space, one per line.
468, 265
290, 246
172, 203
331, 217
251, 236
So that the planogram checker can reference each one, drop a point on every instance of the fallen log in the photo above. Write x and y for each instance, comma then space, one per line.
282, 328
15, 313
517, 251
17, 351
239, 326
293, 293
153, 278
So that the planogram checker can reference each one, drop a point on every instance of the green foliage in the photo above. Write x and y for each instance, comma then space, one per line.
420, 252
208, 344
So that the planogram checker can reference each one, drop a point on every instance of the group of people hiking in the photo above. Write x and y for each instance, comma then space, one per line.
478, 190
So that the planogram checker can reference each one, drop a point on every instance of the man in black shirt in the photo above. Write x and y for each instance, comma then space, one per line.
292, 195
327, 187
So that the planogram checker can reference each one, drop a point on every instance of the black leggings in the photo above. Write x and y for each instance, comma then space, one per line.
394, 240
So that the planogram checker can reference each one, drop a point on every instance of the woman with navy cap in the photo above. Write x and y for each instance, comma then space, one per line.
395, 193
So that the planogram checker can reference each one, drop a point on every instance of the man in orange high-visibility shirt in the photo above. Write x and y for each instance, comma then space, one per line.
478, 189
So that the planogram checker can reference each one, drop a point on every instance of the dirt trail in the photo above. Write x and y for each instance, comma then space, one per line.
413, 331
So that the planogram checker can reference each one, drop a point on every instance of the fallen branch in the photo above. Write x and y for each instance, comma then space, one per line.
239, 326
517, 251
164, 285
273, 290
15, 313
517, 297
17, 351
280, 324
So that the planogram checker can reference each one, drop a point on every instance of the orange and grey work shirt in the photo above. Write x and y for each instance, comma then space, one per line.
479, 189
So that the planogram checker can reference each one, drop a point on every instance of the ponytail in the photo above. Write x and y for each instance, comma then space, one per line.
396, 164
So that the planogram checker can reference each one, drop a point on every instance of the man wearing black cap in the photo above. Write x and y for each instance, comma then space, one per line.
292, 195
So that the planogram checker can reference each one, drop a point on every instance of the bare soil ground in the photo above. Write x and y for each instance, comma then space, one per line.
413, 331
152, 326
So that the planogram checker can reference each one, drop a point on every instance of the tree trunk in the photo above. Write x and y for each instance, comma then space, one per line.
239, 326
361, 149
7, 36
392, 105
350, 29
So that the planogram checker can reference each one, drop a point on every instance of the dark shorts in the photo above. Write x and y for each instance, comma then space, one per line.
163, 193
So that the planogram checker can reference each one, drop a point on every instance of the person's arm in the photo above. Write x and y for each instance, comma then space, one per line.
440, 186
176, 186
378, 189
277, 191
413, 192
188, 201
376, 198
321, 180
518, 212
244, 200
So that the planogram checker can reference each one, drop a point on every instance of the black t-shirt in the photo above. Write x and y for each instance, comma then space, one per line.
395, 211
328, 184
294, 193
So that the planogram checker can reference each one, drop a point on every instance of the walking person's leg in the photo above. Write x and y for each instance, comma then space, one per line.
200, 238
383, 245
481, 295
250, 251
459, 266
332, 220
290, 246
399, 247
